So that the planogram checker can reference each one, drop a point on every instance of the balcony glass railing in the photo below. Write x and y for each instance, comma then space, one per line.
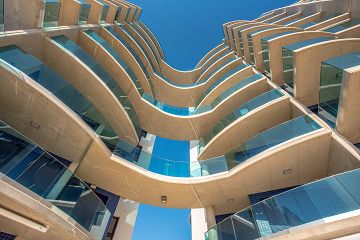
54, 83
145, 39
250, 42
131, 50
270, 138
344, 26
104, 12
51, 13
238, 113
1, 15
88, 60
226, 94
220, 80
35, 169
318, 200
166, 108
93, 35
287, 57
265, 48
123, 28
84, 11
309, 24
330, 84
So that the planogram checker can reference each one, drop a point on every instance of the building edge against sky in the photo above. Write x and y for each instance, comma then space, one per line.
272, 116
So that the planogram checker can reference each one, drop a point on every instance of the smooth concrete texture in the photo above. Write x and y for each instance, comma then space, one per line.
148, 40
227, 84
69, 12
198, 223
307, 62
22, 14
126, 211
335, 227
158, 46
228, 31
275, 18
23, 203
244, 37
257, 48
328, 22
132, 182
89, 85
311, 18
348, 118
24, 103
95, 11
275, 51
288, 18
128, 58
237, 35
144, 45
210, 54
275, 113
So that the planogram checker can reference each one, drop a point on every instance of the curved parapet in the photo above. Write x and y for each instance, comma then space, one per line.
247, 40
307, 76
35, 199
258, 47
207, 56
275, 111
77, 73
316, 209
275, 51
38, 113
153, 38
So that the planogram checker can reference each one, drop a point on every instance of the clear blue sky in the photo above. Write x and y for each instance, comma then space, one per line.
186, 30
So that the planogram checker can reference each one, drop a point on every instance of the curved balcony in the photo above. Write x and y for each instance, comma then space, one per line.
238, 113
304, 212
43, 75
153, 38
167, 92
67, 202
165, 71
107, 168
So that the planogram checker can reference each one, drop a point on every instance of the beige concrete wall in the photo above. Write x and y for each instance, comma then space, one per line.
127, 211
275, 51
148, 39
28, 216
145, 46
91, 87
348, 118
251, 124
307, 63
95, 12
69, 12
22, 14
225, 85
258, 56
244, 33
24, 103
237, 33
136, 48
128, 58
148, 31
210, 54
328, 22
340, 148
304, 20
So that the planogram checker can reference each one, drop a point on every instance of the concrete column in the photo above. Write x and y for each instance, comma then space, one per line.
210, 216
210, 220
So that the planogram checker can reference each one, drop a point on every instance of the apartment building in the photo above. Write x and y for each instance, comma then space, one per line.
272, 115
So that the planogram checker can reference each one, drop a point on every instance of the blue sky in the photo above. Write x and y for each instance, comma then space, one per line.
186, 30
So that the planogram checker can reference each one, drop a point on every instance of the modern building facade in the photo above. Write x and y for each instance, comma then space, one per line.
272, 115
